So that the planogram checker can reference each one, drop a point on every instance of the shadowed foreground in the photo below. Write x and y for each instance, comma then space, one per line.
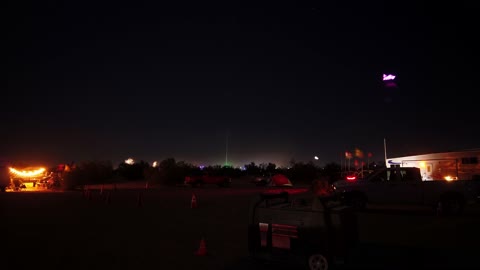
65, 230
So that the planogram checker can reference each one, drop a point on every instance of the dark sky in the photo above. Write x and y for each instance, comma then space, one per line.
109, 81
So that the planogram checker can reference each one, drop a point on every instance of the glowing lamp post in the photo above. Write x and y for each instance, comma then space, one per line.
129, 161
389, 80
388, 77
316, 158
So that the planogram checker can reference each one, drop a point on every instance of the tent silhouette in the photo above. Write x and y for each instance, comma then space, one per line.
280, 180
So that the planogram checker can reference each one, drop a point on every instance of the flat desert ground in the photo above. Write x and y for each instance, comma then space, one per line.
114, 230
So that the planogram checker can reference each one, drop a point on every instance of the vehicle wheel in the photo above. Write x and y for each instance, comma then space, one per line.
318, 261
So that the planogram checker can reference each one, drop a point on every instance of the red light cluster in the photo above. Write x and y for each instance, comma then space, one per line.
351, 178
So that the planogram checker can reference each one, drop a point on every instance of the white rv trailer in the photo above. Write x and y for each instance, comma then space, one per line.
463, 164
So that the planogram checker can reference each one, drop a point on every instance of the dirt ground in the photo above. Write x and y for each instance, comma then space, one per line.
156, 228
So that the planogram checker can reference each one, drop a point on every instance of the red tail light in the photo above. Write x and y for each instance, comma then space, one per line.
351, 178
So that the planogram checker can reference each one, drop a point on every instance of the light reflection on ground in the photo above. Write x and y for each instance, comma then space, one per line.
29, 187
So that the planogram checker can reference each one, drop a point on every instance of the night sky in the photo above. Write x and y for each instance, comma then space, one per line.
109, 81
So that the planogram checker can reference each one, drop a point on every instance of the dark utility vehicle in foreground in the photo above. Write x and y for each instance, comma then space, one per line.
301, 229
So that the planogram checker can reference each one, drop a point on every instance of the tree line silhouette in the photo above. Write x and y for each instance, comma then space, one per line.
171, 172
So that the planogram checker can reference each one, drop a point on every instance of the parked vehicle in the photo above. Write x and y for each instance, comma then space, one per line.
301, 229
262, 180
353, 175
277, 180
463, 165
404, 186
200, 180
5, 180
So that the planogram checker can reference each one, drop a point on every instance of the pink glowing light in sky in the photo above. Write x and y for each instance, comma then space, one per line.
388, 77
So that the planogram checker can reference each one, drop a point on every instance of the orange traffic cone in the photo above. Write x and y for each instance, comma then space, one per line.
193, 203
139, 200
146, 185
101, 190
202, 249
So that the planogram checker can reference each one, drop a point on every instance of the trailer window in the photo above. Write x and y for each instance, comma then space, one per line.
470, 160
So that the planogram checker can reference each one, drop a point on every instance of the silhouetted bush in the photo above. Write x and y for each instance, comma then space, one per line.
132, 171
152, 175
171, 172
88, 172
228, 171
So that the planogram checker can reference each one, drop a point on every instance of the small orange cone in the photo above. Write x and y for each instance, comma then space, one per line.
139, 200
202, 249
193, 203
